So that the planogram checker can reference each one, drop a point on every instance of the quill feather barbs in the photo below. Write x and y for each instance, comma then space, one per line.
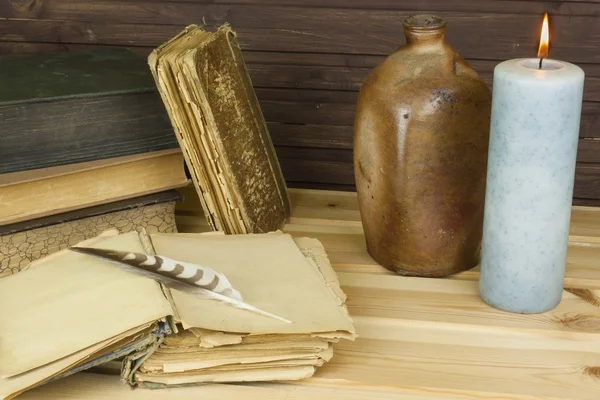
178, 275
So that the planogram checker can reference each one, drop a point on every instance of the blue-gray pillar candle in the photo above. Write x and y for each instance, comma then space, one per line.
529, 189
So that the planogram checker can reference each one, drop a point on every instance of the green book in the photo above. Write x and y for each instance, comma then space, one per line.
63, 108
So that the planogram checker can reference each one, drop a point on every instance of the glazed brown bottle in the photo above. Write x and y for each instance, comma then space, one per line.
420, 155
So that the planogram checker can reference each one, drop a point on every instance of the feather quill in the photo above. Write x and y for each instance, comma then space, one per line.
179, 275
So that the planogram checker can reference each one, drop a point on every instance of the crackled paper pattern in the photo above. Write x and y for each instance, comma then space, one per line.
19, 249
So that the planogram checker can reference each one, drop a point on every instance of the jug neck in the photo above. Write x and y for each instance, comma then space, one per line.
424, 29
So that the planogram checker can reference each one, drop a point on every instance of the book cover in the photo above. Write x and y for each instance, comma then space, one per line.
78, 106
38, 193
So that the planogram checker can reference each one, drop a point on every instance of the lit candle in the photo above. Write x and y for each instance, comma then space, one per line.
536, 108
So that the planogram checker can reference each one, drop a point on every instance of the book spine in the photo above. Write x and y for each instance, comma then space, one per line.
262, 128
39, 193
83, 129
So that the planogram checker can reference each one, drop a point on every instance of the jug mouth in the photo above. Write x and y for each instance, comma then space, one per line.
424, 22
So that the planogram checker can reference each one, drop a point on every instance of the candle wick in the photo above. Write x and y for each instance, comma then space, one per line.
541, 59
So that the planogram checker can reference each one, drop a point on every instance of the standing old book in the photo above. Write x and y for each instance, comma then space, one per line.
71, 107
208, 94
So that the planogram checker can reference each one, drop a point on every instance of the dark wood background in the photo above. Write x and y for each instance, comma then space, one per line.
307, 58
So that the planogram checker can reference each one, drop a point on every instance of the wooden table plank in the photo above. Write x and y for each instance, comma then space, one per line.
486, 364
104, 387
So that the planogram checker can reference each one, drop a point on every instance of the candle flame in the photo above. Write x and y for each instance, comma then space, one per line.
544, 39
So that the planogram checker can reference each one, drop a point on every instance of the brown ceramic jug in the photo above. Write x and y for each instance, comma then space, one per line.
420, 155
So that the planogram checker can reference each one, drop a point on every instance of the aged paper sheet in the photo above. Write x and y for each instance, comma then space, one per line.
271, 273
14, 385
68, 302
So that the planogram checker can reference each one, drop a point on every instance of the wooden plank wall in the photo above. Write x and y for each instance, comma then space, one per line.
307, 58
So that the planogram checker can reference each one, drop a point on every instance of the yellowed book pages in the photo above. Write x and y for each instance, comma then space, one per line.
71, 292
165, 74
60, 189
268, 366
244, 365
202, 338
315, 362
14, 385
234, 352
198, 363
255, 375
210, 339
290, 286
312, 344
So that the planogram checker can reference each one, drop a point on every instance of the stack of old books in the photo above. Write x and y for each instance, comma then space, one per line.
170, 337
208, 94
86, 145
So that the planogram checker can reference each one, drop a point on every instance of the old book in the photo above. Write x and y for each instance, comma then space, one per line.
38, 193
209, 97
27, 241
78, 106
92, 311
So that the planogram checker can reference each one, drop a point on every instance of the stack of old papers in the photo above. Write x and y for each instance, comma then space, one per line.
289, 277
70, 311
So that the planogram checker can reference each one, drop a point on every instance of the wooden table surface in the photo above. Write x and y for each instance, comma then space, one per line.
419, 338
